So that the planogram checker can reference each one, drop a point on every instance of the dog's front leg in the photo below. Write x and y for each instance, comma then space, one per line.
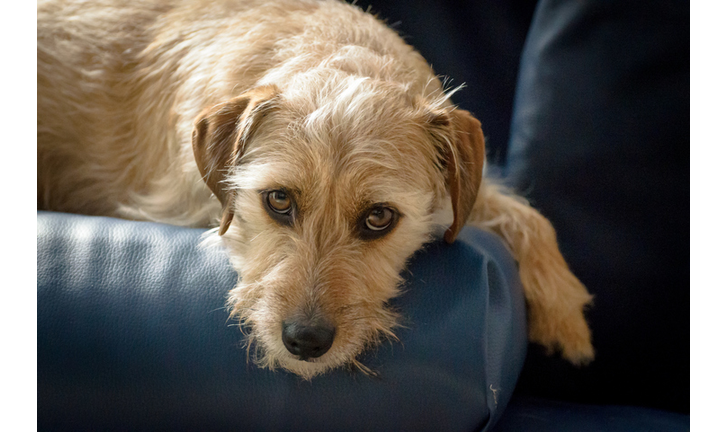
555, 297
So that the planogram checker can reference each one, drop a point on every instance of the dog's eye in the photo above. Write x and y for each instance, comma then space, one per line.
279, 205
279, 202
377, 222
379, 218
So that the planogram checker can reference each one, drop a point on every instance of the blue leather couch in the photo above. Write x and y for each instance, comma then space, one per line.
585, 108
133, 335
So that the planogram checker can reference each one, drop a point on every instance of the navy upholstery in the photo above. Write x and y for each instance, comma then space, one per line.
600, 144
133, 335
547, 415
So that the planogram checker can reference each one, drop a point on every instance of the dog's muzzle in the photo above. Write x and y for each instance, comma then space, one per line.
307, 339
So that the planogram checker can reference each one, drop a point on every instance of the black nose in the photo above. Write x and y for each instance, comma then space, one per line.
307, 340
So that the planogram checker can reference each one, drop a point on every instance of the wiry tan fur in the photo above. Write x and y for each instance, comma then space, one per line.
313, 96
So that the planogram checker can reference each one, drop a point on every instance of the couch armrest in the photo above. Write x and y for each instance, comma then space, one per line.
133, 335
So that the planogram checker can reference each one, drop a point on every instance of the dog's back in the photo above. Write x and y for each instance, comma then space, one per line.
120, 83
87, 55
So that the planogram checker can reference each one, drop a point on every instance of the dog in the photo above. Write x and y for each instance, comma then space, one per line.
322, 146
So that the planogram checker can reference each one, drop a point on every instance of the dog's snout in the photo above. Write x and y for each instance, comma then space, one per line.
307, 339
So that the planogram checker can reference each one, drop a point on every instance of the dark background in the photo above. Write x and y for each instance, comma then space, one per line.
476, 43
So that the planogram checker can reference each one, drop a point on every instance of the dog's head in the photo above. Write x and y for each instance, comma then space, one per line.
327, 191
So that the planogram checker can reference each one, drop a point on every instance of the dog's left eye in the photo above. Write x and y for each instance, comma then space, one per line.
377, 222
379, 218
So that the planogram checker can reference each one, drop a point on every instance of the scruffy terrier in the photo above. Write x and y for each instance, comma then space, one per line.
322, 145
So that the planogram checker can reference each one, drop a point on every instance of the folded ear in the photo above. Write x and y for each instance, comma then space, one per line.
219, 138
465, 162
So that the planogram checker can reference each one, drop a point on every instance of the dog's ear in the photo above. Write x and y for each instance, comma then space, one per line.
219, 138
464, 158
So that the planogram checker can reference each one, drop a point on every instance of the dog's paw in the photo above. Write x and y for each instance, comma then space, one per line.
568, 334
556, 302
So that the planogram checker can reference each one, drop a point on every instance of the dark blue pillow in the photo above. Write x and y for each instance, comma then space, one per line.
133, 335
600, 144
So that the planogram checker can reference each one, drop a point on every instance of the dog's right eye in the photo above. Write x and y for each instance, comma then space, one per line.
279, 202
279, 206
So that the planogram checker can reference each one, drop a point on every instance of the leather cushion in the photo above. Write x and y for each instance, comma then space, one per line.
541, 415
133, 335
600, 144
